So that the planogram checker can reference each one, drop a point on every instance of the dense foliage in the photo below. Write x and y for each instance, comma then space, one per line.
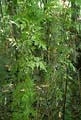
40, 53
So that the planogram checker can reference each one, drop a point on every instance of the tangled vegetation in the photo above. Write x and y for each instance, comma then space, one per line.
40, 60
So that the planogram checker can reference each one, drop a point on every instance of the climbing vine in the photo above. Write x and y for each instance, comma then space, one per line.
40, 54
